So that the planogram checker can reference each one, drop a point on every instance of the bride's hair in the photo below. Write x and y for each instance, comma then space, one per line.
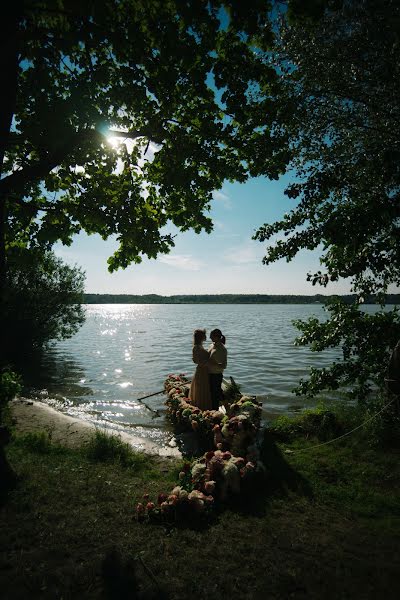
199, 335
219, 334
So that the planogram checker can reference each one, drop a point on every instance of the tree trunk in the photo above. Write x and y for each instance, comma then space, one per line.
9, 40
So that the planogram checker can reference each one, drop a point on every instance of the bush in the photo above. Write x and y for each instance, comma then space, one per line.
10, 385
38, 442
382, 430
319, 422
104, 447
42, 302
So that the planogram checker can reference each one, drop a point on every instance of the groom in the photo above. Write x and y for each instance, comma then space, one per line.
216, 365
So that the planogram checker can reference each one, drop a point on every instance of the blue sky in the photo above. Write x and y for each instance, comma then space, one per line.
225, 261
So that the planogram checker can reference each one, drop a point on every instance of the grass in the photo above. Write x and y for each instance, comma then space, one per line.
326, 526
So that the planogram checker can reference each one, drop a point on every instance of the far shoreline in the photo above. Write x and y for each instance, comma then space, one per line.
246, 299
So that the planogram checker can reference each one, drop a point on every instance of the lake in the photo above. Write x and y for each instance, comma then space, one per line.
125, 351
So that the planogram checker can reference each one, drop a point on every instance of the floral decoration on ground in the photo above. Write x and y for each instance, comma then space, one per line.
221, 473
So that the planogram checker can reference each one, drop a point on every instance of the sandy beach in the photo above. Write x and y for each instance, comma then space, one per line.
31, 415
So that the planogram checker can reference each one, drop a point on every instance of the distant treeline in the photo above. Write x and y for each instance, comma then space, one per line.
225, 299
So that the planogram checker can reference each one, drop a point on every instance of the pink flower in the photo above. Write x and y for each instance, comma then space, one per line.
146, 496
161, 498
139, 509
219, 446
226, 455
209, 455
164, 507
195, 425
150, 506
173, 499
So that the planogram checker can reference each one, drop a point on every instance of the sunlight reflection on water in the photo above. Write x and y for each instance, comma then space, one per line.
124, 352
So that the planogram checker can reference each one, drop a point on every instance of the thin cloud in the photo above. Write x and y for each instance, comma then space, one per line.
182, 261
223, 198
243, 255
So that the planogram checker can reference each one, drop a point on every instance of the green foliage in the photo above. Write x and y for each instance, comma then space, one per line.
366, 341
318, 422
338, 107
104, 447
232, 392
178, 84
38, 442
42, 302
383, 431
10, 386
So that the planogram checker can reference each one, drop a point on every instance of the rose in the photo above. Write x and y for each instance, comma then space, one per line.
226, 455
209, 455
173, 499
150, 506
195, 425
161, 498
164, 507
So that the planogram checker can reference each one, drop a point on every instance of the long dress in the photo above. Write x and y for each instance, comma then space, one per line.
200, 387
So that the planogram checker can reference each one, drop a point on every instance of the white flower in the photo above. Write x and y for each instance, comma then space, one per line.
198, 470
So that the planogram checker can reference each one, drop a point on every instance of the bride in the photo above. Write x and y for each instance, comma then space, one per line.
200, 387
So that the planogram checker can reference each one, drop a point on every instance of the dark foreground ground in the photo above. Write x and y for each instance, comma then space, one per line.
326, 526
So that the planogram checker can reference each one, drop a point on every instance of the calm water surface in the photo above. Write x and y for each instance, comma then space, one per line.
125, 351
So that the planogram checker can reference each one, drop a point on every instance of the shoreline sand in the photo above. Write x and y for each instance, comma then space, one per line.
32, 415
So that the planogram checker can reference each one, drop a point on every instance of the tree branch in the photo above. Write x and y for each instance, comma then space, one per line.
17, 181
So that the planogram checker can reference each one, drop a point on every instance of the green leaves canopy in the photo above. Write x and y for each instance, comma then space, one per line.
42, 303
339, 108
178, 78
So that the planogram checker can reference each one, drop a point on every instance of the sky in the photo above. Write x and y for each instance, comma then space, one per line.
225, 261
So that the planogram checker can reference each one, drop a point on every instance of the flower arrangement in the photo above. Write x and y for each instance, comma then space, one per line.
220, 473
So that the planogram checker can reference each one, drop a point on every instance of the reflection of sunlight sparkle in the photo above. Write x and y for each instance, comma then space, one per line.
118, 370
125, 384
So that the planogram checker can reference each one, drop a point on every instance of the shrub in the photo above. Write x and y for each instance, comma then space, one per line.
37, 441
318, 422
104, 447
10, 385
383, 429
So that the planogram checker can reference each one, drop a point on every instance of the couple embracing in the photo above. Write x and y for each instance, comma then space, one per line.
205, 389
